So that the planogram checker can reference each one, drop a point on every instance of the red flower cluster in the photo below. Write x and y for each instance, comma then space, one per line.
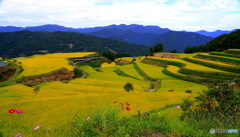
13, 110
122, 104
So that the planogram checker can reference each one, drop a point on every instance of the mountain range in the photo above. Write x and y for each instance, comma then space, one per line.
134, 34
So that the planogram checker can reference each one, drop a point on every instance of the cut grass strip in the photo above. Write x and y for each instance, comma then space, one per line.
225, 54
154, 71
216, 65
226, 60
129, 70
186, 64
188, 68
122, 73
199, 76
142, 73
233, 51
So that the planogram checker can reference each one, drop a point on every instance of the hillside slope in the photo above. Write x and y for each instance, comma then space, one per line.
27, 43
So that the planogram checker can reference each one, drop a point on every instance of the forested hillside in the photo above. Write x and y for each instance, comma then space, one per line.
223, 42
25, 43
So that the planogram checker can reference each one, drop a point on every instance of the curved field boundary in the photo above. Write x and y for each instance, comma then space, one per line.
33, 76
233, 51
225, 54
122, 73
186, 77
226, 60
130, 70
186, 71
212, 64
174, 69
142, 73
190, 78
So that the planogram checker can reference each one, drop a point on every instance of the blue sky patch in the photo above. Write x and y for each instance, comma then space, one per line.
170, 2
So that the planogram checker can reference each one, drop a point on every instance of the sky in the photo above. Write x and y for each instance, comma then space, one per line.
189, 15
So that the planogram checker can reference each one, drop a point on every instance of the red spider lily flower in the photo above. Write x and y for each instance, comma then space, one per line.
115, 102
11, 111
128, 108
97, 127
127, 104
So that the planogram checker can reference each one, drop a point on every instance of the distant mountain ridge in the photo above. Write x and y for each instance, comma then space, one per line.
54, 27
134, 34
132, 27
214, 34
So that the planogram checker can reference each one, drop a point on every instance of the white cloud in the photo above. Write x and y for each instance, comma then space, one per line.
174, 14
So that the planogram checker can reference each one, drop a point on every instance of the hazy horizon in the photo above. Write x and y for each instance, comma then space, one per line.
112, 24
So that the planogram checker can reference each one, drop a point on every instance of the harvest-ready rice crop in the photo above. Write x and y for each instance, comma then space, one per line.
40, 64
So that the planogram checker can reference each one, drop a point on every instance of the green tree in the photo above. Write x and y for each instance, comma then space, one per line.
109, 55
36, 90
173, 51
134, 59
151, 50
128, 87
158, 48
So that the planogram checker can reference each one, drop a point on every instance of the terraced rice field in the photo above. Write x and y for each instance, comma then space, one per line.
40, 64
57, 103
220, 56
182, 55
190, 65
168, 82
104, 65
216, 63
131, 58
